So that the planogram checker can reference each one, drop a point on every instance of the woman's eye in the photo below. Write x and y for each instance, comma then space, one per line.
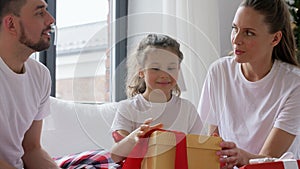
234, 29
249, 33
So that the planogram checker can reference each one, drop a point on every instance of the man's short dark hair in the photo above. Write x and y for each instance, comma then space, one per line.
10, 7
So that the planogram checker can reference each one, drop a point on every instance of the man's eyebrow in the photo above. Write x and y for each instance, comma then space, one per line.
40, 7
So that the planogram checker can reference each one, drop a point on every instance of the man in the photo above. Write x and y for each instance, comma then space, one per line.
25, 84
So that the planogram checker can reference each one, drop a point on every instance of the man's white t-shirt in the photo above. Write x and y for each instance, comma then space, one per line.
244, 111
177, 114
24, 98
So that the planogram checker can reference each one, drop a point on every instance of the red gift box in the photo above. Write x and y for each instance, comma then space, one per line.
285, 164
170, 149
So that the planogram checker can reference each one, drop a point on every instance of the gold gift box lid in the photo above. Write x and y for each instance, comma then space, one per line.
192, 140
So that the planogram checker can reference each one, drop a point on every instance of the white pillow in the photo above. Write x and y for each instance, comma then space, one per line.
74, 127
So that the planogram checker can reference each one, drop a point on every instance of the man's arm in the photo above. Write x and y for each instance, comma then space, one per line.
34, 156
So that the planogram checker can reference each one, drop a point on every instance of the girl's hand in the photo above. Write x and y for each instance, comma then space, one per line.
145, 127
231, 155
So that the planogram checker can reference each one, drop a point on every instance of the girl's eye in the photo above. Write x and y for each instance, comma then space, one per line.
154, 68
171, 68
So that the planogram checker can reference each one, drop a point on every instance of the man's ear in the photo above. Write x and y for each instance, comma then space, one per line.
276, 38
9, 24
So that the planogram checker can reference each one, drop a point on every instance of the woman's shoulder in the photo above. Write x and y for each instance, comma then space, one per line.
223, 61
289, 69
223, 64
288, 73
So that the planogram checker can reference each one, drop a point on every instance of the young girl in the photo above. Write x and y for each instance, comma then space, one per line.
154, 95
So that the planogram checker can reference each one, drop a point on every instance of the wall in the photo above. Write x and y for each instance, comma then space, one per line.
227, 9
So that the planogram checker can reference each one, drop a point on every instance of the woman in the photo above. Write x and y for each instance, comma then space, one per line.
252, 99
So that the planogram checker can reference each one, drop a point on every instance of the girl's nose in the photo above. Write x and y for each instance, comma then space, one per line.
164, 74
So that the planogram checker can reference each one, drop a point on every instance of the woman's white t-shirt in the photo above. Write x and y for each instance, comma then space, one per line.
177, 114
244, 111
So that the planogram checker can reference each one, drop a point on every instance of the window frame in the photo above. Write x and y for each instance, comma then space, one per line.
120, 50
48, 57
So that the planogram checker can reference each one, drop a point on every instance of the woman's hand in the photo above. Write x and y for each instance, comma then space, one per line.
231, 155
145, 127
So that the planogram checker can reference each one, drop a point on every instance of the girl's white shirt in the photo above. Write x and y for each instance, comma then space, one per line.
177, 114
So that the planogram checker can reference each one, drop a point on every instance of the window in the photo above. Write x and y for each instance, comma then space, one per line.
84, 61
81, 57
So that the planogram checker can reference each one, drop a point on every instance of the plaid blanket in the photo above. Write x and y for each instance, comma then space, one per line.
95, 159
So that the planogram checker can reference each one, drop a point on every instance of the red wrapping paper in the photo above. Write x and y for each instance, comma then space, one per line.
273, 165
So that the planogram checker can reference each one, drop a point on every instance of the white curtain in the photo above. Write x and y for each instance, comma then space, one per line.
193, 23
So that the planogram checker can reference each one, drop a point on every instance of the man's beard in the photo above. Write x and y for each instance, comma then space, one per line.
39, 46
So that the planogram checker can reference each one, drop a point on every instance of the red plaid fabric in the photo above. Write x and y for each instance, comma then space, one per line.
95, 159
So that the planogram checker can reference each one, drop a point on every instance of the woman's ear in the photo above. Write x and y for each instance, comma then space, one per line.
276, 38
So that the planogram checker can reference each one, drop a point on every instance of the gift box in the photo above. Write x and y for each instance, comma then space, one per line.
201, 151
284, 164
